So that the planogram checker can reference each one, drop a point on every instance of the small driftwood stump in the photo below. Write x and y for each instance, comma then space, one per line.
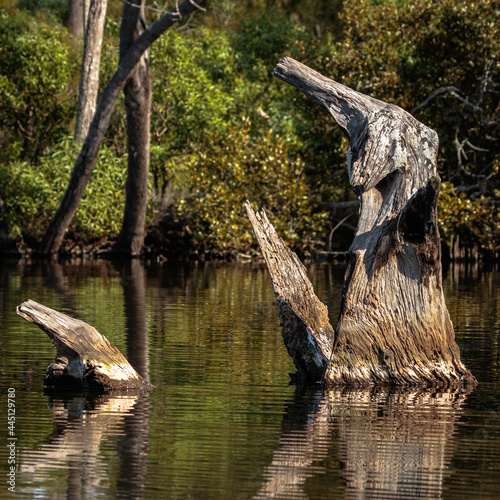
85, 359
394, 327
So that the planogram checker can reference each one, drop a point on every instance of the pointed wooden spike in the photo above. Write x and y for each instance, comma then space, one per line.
306, 330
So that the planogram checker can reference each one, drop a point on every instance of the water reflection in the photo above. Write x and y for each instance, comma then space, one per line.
82, 426
386, 443
222, 422
83, 423
132, 276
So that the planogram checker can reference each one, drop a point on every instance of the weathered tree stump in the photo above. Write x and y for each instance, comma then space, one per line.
394, 327
85, 359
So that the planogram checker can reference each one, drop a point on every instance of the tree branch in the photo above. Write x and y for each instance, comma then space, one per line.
87, 158
452, 91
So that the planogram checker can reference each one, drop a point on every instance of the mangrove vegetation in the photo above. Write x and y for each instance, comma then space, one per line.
223, 130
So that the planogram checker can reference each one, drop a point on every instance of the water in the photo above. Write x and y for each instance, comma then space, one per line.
223, 422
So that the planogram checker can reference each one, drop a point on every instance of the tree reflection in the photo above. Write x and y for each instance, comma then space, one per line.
84, 423
134, 443
134, 293
387, 443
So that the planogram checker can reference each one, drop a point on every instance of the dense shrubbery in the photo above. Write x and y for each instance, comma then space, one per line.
38, 77
222, 133
262, 169
223, 130
444, 55
42, 186
475, 223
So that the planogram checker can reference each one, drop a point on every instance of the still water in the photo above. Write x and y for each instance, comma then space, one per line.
223, 422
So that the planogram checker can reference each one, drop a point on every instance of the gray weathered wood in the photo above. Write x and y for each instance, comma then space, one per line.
89, 73
85, 359
394, 327
307, 333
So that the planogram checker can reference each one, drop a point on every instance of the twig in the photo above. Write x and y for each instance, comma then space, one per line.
335, 228
452, 91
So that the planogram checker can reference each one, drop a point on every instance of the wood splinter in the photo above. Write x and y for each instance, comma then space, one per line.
85, 359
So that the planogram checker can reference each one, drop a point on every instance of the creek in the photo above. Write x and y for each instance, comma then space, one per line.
223, 421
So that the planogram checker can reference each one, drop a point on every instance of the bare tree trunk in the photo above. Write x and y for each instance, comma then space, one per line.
394, 327
86, 160
138, 106
89, 75
77, 16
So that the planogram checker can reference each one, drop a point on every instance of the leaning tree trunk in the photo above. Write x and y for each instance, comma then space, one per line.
394, 326
306, 330
87, 158
137, 105
89, 75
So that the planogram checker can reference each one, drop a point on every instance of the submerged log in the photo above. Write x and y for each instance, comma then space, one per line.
85, 359
394, 327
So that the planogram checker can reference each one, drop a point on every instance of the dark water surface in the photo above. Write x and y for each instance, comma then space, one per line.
222, 422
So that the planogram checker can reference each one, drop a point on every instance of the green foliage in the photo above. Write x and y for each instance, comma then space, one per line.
474, 222
262, 39
194, 89
116, 136
318, 17
192, 83
446, 55
224, 130
206, 81
37, 75
427, 46
264, 170
32, 194
57, 9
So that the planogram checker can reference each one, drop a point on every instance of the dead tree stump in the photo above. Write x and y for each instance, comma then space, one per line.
85, 359
394, 327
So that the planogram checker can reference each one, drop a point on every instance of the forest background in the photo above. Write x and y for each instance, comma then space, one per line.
224, 130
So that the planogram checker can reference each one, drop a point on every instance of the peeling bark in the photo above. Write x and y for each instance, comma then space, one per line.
394, 327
